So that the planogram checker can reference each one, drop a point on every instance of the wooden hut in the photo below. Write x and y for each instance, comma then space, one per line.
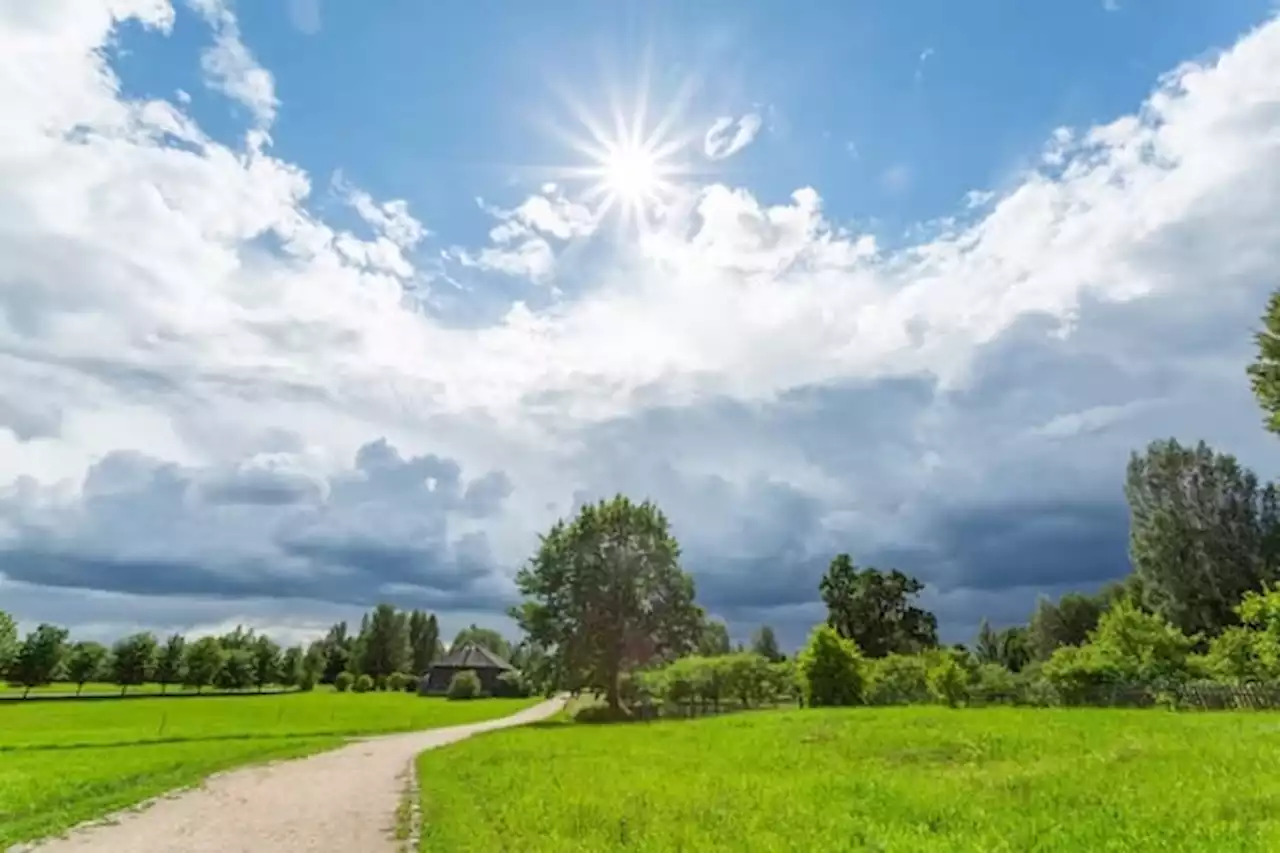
487, 666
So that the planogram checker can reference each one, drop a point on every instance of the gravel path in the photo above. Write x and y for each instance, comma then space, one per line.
335, 802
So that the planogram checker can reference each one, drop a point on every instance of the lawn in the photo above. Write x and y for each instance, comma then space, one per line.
893, 779
99, 687
63, 762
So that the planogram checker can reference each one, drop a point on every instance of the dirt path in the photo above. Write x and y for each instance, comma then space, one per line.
335, 802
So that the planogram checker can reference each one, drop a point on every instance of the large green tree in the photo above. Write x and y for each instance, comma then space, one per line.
383, 645
169, 662
713, 638
765, 644
424, 639
1264, 372
133, 660
1065, 622
874, 609
8, 641
266, 662
605, 593
39, 657
1203, 532
203, 662
86, 661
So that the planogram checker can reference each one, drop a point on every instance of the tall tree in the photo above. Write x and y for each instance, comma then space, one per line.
133, 660
337, 645
486, 638
1202, 533
266, 661
424, 638
236, 672
86, 661
383, 645
605, 593
39, 657
873, 608
169, 662
291, 667
1066, 622
1264, 372
1008, 647
204, 659
987, 647
765, 644
8, 641
713, 638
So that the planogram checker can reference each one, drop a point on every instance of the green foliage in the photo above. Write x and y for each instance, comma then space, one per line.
897, 680
713, 638
605, 594
266, 662
290, 670
1066, 622
464, 685
39, 657
765, 643
1009, 648
1264, 371
133, 660
237, 670
363, 683
512, 684
1080, 675
424, 638
383, 645
830, 669
86, 661
343, 681
8, 641
994, 684
1203, 533
948, 681
873, 608
394, 682
169, 661
202, 661
1142, 646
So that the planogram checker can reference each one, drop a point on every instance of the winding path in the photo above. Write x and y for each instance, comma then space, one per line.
343, 801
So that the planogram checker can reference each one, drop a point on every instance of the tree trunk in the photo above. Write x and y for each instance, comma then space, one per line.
79, 688
612, 694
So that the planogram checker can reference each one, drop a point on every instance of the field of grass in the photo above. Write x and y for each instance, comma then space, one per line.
95, 687
892, 780
64, 762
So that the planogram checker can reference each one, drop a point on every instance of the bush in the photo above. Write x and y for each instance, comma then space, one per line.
395, 681
410, 684
464, 685
995, 685
897, 680
1081, 675
342, 682
307, 683
363, 684
381, 682
948, 681
831, 669
512, 684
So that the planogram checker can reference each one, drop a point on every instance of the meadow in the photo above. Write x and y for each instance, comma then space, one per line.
65, 761
868, 779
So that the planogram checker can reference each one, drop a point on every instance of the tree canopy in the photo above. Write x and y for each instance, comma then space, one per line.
874, 609
605, 593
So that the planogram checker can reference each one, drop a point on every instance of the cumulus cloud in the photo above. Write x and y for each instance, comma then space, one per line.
191, 359
728, 135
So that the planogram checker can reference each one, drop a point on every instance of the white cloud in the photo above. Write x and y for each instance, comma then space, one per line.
230, 67
727, 135
184, 303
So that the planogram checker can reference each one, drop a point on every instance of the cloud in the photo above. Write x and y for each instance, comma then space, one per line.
925, 56
727, 135
191, 359
230, 67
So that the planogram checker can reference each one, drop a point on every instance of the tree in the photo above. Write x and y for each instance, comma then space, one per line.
266, 662
713, 638
424, 637
290, 674
338, 646
765, 644
237, 670
169, 663
830, 669
8, 641
605, 593
39, 657
1203, 532
486, 638
202, 662
1064, 623
1008, 648
133, 660
1264, 372
873, 609
383, 645
86, 661
312, 666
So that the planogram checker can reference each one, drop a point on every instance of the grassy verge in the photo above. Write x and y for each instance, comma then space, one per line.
63, 763
905, 779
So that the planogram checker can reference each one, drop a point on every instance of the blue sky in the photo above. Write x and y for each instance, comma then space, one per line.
308, 304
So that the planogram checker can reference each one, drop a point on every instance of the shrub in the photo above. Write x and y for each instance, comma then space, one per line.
411, 683
307, 682
464, 685
363, 684
394, 681
380, 683
342, 682
948, 681
512, 684
897, 680
1080, 675
995, 685
831, 669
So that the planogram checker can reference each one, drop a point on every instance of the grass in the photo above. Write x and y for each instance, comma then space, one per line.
64, 762
893, 779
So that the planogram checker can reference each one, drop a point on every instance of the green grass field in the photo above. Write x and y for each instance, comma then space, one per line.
894, 779
66, 761
92, 687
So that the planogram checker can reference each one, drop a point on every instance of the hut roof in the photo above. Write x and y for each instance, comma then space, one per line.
471, 656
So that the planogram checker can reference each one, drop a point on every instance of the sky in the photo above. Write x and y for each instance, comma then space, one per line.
310, 304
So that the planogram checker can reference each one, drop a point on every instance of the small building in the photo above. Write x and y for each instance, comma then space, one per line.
487, 666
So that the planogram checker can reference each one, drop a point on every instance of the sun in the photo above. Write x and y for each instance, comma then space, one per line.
631, 172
